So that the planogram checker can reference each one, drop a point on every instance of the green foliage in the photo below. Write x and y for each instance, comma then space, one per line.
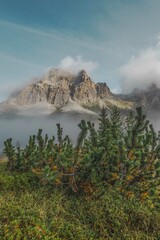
126, 156
18, 181
38, 213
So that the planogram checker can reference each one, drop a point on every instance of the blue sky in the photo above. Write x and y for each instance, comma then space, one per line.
114, 39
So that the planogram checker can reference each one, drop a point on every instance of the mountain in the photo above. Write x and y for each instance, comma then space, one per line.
61, 91
149, 98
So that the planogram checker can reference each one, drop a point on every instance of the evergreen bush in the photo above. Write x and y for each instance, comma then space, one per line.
123, 153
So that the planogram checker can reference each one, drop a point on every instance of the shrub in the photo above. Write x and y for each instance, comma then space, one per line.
123, 153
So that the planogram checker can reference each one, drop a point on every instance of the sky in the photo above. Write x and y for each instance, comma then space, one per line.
116, 41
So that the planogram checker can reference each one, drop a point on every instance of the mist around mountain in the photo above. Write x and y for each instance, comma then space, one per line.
20, 128
64, 97
61, 91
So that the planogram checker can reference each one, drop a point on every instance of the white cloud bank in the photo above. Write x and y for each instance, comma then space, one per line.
74, 65
141, 70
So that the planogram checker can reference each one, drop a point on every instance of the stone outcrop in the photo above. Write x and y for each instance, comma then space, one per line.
60, 89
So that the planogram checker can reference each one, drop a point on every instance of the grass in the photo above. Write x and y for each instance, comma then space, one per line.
28, 210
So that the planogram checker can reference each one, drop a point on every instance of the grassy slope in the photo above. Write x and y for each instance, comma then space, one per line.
30, 211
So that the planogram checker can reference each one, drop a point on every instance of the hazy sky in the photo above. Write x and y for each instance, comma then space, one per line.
117, 40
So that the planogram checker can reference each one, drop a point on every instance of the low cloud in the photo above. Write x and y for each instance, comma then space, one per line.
76, 64
141, 71
14, 128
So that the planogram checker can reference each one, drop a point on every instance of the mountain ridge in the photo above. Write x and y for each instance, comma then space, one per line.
63, 91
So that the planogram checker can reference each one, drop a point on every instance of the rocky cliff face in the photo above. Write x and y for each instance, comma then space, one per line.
58, 88
62, 90
53, 88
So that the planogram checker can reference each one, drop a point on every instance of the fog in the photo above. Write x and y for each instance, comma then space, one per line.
154, 117
19, 129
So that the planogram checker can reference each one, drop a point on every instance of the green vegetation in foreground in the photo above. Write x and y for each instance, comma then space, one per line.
107, 186
31, 211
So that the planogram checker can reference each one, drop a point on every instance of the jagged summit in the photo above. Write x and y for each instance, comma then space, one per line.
82, 77
59, 89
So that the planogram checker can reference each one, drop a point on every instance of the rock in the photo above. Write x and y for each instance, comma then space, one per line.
58, 88
103, 90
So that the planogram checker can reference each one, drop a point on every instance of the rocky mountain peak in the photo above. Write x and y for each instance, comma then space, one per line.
103, 89
83, 74
62, 89
82, 77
